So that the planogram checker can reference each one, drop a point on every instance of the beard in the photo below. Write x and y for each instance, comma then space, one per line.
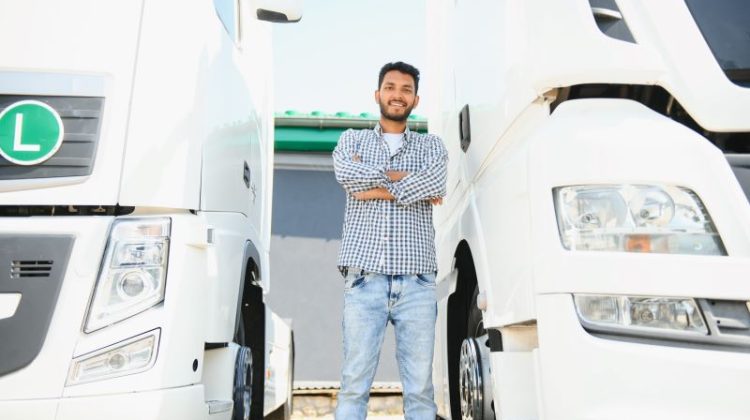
394, 117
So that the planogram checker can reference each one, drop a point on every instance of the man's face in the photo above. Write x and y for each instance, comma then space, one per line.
396, 96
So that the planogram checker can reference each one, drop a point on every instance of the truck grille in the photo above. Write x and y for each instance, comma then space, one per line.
34, 266
81, 117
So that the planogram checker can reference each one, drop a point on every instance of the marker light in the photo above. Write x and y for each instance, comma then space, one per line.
637, 315
132, 356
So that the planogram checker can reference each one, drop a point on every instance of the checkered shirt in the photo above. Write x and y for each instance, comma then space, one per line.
390, 237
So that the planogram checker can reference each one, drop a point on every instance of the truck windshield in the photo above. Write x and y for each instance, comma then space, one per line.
725, 25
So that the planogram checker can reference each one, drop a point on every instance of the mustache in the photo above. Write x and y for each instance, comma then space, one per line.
395, 117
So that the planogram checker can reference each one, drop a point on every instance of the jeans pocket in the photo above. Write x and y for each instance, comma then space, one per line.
426, 280
354, 282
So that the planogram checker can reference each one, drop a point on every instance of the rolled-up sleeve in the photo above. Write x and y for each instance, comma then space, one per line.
355, 176
427, 183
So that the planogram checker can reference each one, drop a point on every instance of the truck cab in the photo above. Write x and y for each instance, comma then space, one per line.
594, 243
136, 152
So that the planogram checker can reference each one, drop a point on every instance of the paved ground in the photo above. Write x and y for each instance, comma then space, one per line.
321, 407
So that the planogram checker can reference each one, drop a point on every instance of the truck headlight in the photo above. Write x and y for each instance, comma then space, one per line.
638, 315
134, 270
131, 356
635, 218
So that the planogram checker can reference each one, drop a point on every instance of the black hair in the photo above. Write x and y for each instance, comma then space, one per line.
403, 68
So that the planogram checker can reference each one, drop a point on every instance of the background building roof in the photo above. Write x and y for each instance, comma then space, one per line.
319, 132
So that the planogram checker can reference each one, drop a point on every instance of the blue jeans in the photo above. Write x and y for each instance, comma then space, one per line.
370, 302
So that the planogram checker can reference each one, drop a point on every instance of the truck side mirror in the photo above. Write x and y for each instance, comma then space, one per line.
279, 11
464, 128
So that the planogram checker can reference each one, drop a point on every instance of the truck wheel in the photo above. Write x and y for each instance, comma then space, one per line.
475, 381
243, 378
285, 411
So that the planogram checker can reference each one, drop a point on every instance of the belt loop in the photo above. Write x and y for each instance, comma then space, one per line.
345, 271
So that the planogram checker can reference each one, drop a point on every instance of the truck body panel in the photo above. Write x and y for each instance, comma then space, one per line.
137, 248
93, 46
594, 96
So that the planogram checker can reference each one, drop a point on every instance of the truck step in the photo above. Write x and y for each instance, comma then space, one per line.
219, 406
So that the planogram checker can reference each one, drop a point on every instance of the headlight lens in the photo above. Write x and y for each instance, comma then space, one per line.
635, 218
631, 314
133, 274
132, 356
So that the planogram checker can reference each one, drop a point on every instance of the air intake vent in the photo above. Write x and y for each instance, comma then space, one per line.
20, 269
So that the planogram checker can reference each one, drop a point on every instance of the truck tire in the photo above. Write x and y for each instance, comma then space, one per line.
243, 378
475, 391
285, 411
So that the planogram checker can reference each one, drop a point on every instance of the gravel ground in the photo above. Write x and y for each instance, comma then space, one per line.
322, 407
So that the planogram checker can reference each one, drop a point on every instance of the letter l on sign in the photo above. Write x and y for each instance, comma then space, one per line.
17, 146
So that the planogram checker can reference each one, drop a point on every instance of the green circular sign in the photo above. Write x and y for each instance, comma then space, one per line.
30, 132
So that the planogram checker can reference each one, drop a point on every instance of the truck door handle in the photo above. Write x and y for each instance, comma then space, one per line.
246, 175
464, 128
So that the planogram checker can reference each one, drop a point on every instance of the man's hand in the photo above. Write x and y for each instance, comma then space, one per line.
379, 193
356, 158
396, 176
436, 201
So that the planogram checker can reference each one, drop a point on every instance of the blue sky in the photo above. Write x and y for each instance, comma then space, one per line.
330, 60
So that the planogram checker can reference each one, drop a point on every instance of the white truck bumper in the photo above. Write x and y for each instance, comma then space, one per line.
582, 376
185, 403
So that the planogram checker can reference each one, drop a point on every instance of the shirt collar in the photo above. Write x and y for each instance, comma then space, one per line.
379, 131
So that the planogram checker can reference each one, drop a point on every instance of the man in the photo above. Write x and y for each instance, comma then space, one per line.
392, 177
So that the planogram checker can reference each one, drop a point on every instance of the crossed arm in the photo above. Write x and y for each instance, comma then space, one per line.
382, 193
366, 182
353, 174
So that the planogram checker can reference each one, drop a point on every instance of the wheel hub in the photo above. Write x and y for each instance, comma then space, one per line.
474, 380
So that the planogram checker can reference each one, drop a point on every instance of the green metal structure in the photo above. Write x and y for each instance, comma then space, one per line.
319, 132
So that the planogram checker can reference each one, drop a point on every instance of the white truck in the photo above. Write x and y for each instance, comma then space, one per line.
594, 246
136, 158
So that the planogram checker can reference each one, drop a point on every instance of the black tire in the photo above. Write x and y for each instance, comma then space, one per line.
285, 411
242, 385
